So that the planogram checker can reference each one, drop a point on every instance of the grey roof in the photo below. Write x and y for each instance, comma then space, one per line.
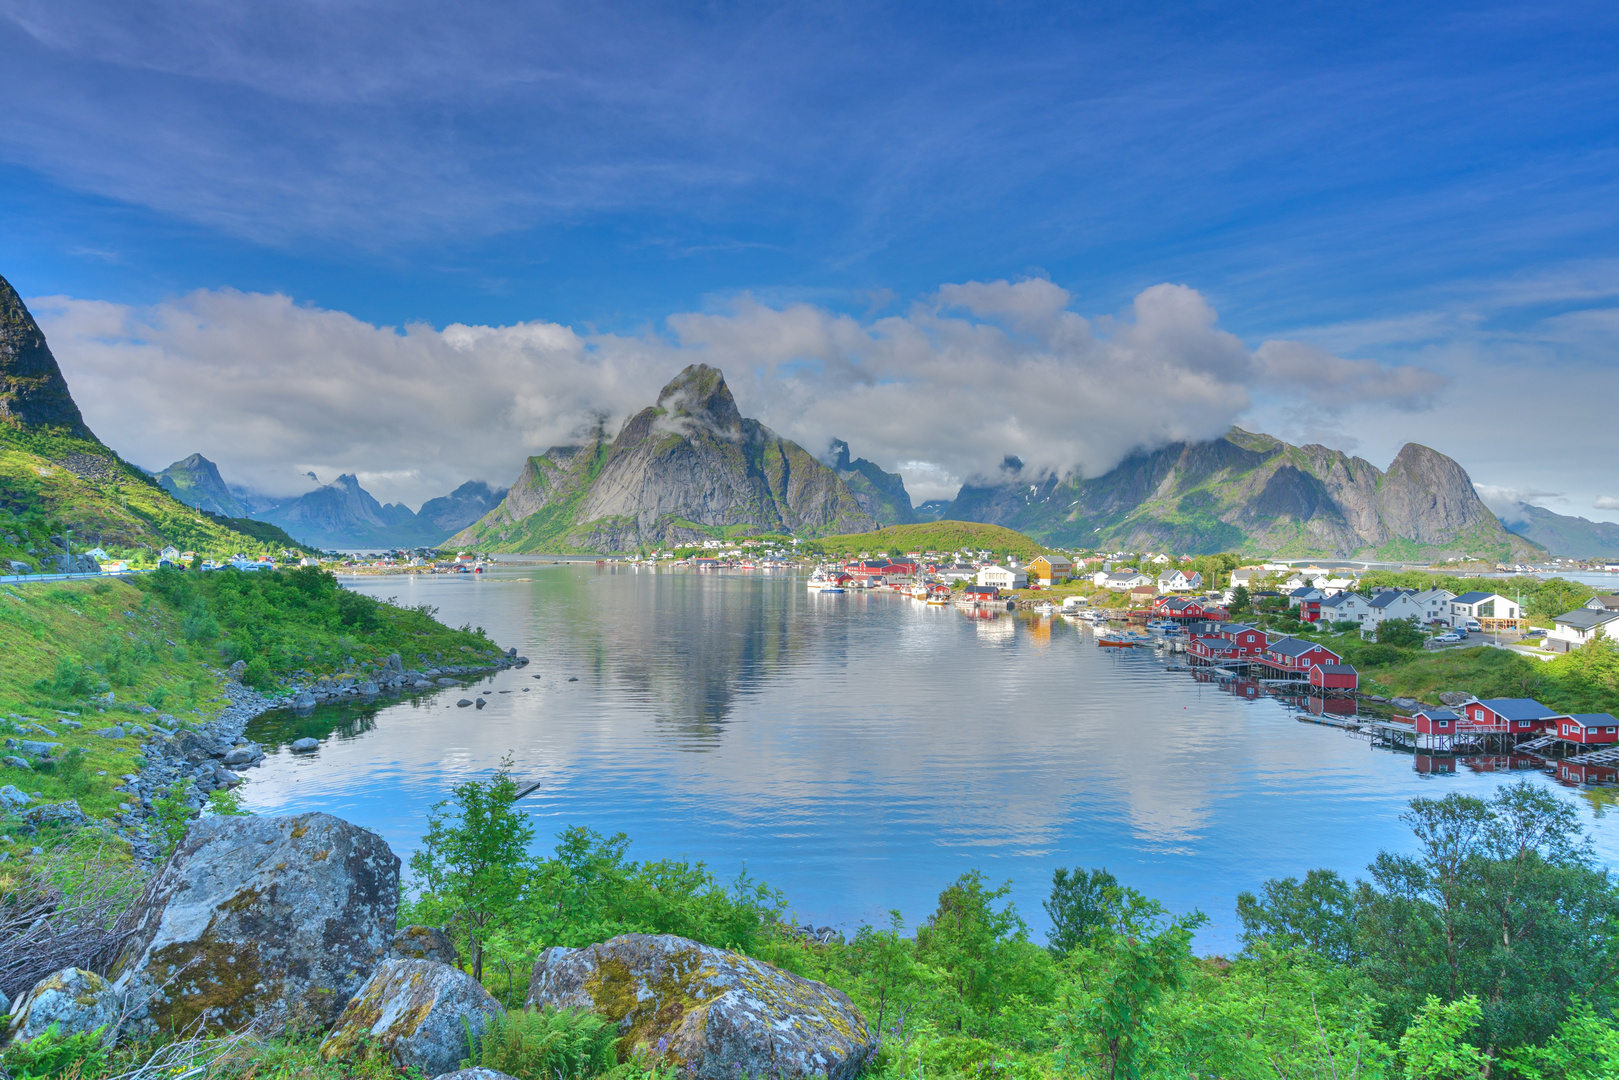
1518, 708
1384, 599
1609, 602
1305, 591
1436, 714
1593, 719
1340, 599
1475, 597
1294, 646
1585, 618
1338, 669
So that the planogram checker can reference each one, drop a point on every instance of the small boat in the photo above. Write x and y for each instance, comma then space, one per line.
1115, 643
831, 589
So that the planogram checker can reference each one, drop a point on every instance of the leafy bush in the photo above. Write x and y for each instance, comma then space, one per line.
257, 673
53, 1054
547, 1045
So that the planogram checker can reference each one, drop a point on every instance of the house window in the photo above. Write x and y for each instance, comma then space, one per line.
1444, 723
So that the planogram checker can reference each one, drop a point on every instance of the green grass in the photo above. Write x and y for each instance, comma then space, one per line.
941, 536
124, 511
164, 640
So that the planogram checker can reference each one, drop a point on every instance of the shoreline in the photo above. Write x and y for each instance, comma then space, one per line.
212, 753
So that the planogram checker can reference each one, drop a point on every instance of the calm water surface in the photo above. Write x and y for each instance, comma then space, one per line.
859, 752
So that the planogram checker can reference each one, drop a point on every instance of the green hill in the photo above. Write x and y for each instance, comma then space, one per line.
933, 536
55, 473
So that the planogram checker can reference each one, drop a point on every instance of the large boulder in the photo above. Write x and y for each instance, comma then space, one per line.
273, 919
708, 1012
425, 943
73, 999
417, 1014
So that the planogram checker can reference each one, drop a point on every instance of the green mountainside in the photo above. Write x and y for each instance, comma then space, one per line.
687, 468
1256, 494
55, 473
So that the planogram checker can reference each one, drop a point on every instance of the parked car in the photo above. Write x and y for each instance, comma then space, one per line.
1448, 639
1536, 632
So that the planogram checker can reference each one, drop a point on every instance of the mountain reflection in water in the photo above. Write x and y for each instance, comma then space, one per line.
860, 751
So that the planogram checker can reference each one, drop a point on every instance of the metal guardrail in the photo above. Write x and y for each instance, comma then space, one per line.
19, 579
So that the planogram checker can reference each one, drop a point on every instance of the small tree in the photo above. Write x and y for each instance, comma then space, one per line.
1401, 633
1240, 599
474, 858
1078, 908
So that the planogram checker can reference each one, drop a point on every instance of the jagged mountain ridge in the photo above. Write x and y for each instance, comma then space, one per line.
880, 494
1563, 534
196, 482
341, 514
1254, 493
676, 472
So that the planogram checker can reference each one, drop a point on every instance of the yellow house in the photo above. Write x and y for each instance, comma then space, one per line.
1047, 569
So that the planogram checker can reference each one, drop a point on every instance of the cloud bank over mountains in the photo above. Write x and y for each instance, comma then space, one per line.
272, 389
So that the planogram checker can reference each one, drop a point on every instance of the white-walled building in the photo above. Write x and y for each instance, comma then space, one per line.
1002, 578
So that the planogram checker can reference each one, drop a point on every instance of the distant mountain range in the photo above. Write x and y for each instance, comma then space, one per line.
340, 515
1257, 494
691, 466
1561, 534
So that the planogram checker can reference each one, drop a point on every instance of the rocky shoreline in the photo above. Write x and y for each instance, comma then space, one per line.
212, 754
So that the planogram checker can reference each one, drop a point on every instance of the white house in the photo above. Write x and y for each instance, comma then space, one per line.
1435, 604
97, 554
1346, 607
1392, 604
1489, 609
1247, 575
1002, 578
1596, 603
1179, 581
1123, 580
1581, 625
169, 554
1304, 594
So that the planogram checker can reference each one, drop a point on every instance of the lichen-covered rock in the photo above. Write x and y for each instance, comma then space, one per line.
415, 1013
717, 1014
274, 919
73, 999
424, 943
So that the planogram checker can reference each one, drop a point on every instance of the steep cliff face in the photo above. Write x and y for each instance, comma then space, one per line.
196, 482
51, 464
1255, 493
880, 494
32, 390
677, 470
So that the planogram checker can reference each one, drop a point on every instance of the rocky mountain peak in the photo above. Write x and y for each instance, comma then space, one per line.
699, 394
32, 390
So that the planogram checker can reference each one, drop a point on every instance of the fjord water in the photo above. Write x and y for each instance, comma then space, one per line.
859, 752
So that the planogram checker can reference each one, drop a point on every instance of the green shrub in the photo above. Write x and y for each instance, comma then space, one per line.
566, 1045
257, 673
54, 1054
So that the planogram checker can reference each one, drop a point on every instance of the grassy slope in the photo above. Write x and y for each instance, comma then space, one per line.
934, 536
66, 644
127, 515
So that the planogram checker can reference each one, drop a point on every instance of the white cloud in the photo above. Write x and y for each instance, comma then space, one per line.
1503, 500
1333, 381
271, 389
1606, 502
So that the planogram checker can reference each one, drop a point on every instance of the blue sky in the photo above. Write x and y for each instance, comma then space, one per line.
1410, 185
